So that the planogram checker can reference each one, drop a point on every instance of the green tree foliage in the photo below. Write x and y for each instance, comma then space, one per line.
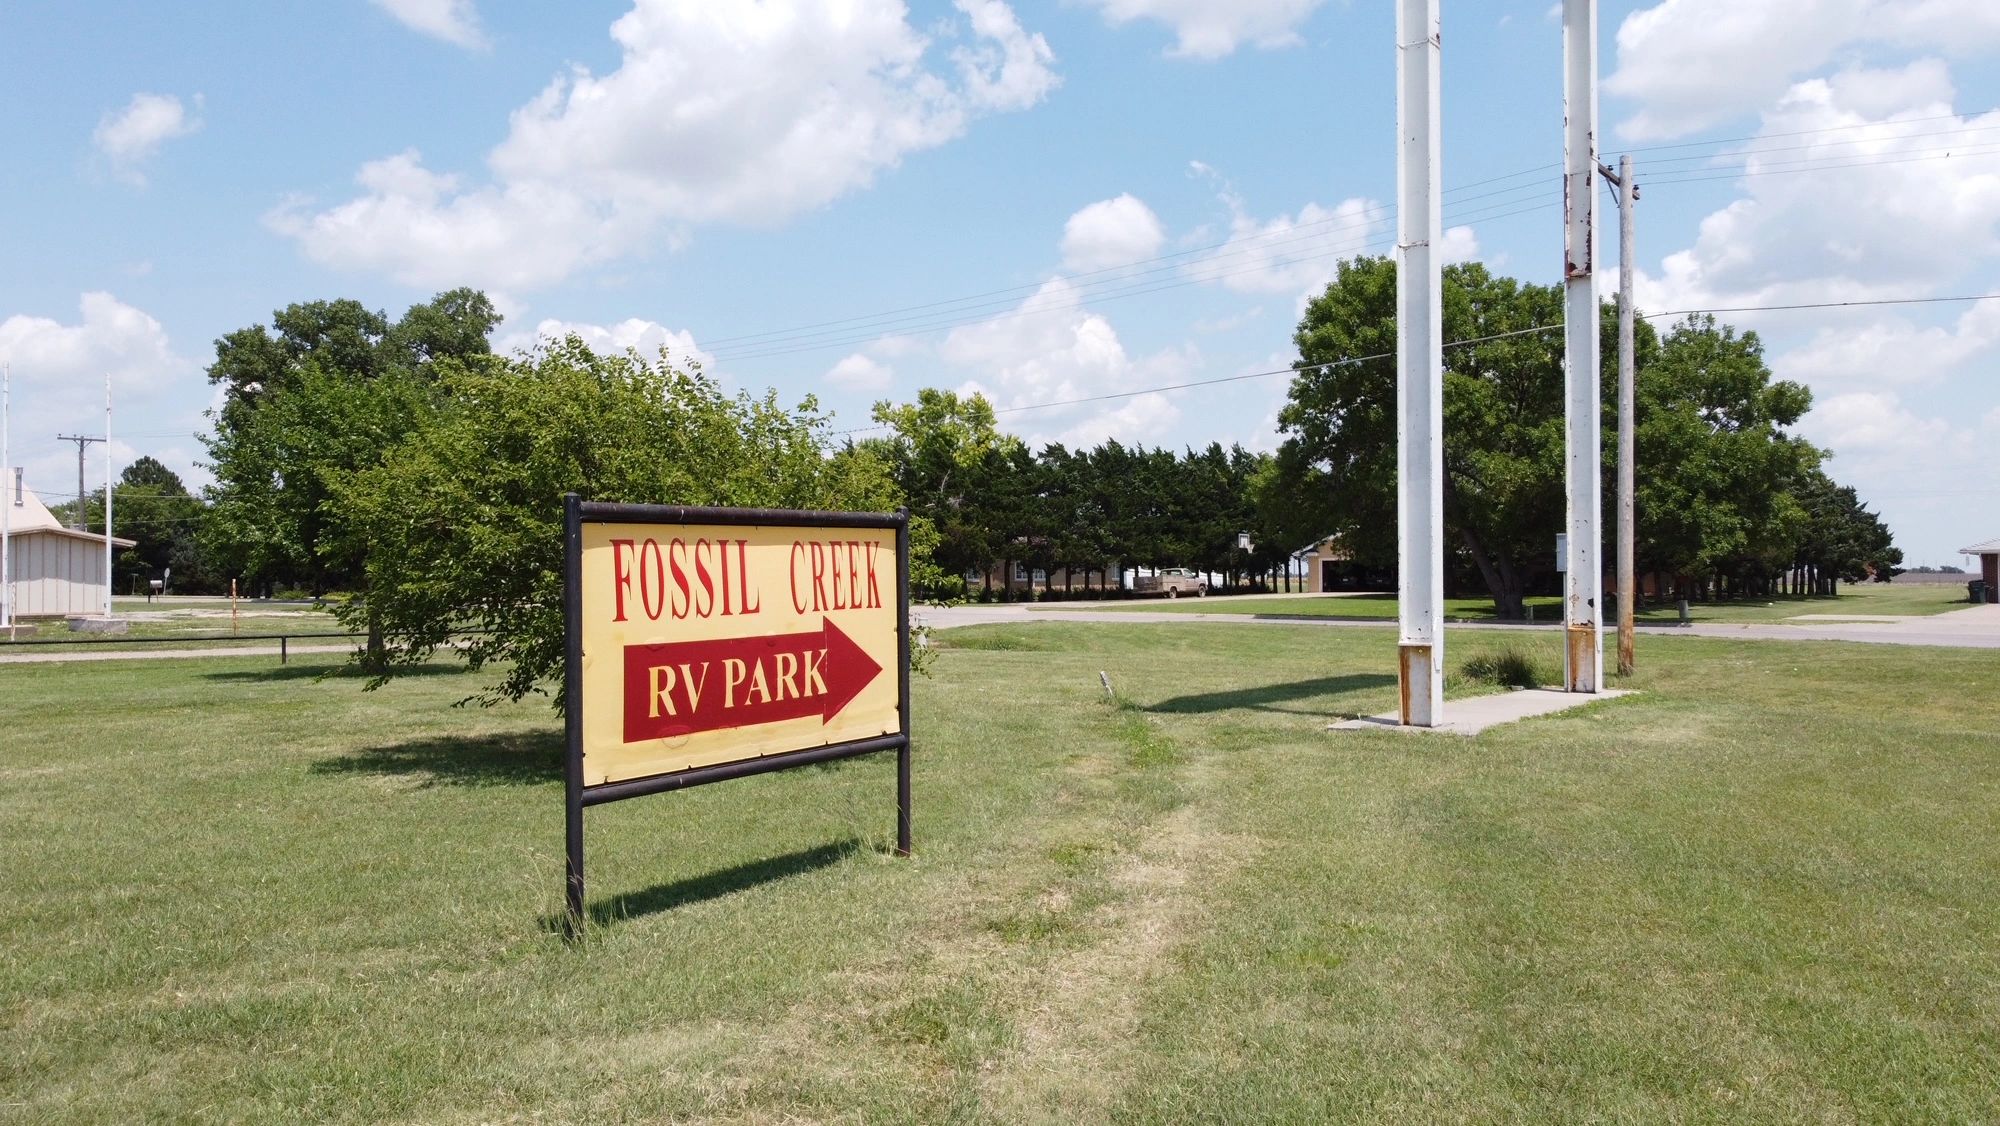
1843, 540
322, 391
461, 521
1723, 479
948, 456
1725, 482
1503, 402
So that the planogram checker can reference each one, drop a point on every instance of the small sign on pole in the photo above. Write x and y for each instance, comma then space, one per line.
1562, 552
705, 644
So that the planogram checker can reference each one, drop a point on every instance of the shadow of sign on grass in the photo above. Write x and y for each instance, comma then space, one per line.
468, 760
1263, 697
714, 885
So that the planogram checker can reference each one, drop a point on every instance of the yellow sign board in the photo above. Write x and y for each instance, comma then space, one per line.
712, 643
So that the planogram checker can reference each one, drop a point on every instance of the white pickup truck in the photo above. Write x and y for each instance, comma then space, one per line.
1172, 582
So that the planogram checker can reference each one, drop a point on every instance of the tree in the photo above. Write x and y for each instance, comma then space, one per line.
463, 518
1719, 497
1721, 468
153, 508
332, 387
945, 452
1503, 397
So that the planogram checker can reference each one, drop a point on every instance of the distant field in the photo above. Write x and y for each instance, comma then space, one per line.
1865, 598
1759, 891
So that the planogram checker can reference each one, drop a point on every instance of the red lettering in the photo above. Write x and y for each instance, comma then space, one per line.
621, 575
722, 558
652, 578
874, 591
706, 605
743, 576
677, 551
798, 549
853, 574
820, 601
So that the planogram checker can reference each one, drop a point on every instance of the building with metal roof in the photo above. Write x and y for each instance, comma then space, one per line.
52, 571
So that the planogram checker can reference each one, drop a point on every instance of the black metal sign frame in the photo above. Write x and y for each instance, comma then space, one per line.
576, 796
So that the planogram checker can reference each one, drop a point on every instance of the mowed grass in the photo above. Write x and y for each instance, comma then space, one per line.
1760, 890
1860, 598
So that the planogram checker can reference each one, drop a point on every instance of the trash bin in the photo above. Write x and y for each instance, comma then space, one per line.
1977, 589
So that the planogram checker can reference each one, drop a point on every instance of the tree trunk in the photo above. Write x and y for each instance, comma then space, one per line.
375, 657
1502, 580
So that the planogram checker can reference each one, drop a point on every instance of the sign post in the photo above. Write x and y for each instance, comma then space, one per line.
704, 644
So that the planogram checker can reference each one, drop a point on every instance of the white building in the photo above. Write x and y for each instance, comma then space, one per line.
54, 571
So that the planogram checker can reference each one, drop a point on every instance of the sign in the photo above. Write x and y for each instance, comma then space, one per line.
712, 643
706, 643
1562, 551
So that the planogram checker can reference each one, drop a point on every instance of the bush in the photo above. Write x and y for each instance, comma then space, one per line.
1509, 667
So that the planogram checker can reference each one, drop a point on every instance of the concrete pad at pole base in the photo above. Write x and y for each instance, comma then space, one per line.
99, 625
1474, 715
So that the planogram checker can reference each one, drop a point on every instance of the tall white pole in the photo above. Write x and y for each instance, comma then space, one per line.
1628, 584
7, 500
107, 496
1583, 597
1419, 369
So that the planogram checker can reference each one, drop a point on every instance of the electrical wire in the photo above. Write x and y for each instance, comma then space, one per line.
1529, 331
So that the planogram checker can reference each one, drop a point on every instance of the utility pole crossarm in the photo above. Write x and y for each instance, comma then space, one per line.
83, 442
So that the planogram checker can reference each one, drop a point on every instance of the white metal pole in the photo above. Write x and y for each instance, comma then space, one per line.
7, 500
1628, 581
1583, 601
1419, 369
107, 496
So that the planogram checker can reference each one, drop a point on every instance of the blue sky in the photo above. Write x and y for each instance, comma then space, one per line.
956, 194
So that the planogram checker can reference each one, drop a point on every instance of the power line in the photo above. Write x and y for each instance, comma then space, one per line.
1138, 288
1811, 132
1817, 145
1971, 153
1529, 331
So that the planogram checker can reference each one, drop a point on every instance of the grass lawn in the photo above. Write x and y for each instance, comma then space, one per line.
1863, 598
1761, 890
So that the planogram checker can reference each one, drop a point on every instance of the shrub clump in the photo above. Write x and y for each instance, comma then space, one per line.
1509, 667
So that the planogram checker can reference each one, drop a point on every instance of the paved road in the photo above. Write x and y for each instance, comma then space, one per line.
1975, 627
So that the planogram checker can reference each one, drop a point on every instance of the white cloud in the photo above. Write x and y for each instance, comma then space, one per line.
740, 113
1050, 350
630, 335
454, 21
129, 137
1690, 64
860, 373
1296, 254
1877, 217
1459, 244
1144, 419
1892, 351
112, 338
1210, 29
1111, 232
58, 372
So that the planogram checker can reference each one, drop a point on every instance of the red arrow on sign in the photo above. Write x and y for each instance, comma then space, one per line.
691, 686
